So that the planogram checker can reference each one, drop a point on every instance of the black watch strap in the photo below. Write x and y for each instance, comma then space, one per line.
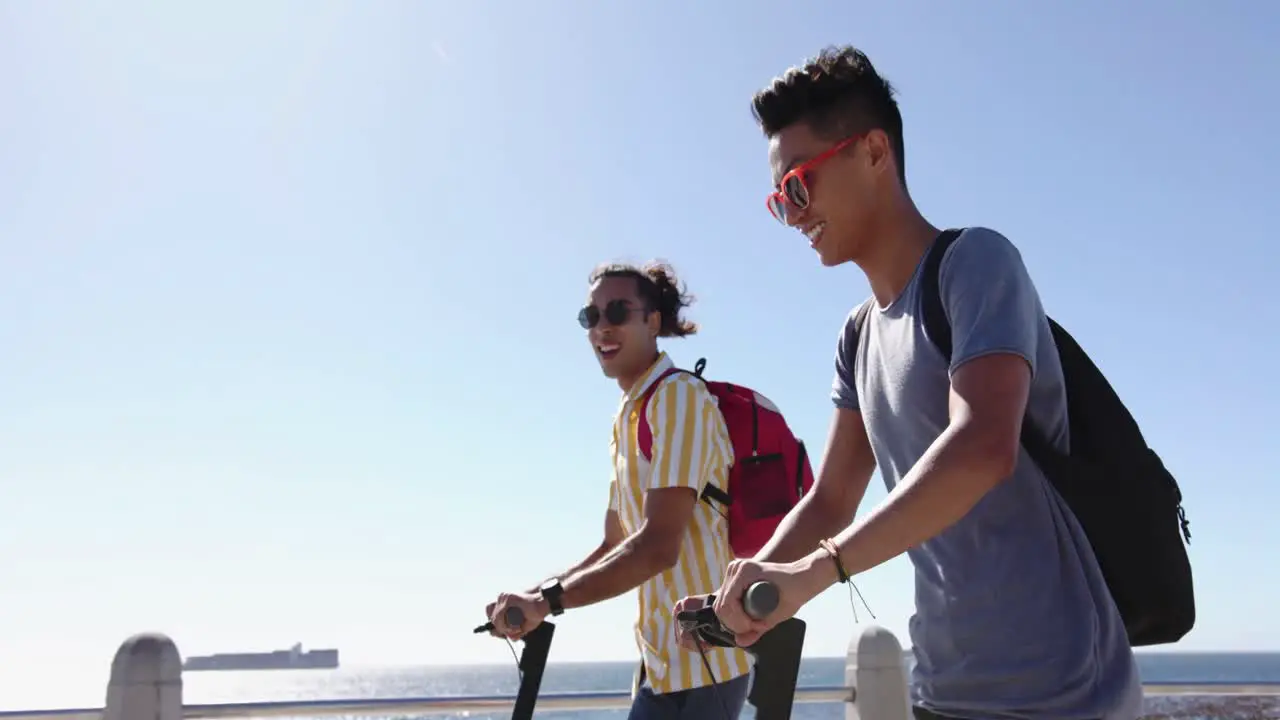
553, 593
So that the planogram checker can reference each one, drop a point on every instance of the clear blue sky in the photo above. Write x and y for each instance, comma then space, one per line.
289, 288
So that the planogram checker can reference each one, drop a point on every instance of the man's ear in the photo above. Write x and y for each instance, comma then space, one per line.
654, 320
879, 150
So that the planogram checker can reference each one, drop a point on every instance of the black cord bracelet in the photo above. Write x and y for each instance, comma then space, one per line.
830, 547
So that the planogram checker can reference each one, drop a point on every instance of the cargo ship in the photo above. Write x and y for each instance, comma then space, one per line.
292, 659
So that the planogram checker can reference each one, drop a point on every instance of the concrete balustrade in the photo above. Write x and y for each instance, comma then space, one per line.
146, 684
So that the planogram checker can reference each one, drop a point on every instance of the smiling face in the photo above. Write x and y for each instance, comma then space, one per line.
622, 331
830, 189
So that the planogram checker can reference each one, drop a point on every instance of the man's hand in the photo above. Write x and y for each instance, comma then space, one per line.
535, 609
797, 584
689, 640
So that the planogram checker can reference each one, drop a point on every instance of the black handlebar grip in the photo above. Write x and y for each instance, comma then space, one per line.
760, 599
514, 616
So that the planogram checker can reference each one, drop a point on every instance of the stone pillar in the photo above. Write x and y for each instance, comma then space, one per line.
876, 672
146, 680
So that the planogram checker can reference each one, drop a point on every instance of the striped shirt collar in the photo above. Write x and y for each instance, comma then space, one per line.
659, 366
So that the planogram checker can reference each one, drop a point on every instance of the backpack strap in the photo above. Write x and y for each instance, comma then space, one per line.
938, 328
859, 322
860, 318
644, 434
936, 325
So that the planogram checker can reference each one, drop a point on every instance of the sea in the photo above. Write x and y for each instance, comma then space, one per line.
387, 682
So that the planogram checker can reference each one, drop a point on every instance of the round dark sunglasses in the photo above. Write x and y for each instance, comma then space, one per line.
616, 312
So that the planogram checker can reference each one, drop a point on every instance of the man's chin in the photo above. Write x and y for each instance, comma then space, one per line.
609, 369
830, 259
830, 255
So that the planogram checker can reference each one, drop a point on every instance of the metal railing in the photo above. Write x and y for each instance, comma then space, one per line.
566, 701
146, 684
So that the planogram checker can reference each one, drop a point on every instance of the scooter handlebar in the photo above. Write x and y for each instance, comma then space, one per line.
513, 615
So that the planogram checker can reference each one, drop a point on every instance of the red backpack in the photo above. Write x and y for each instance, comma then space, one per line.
770, 471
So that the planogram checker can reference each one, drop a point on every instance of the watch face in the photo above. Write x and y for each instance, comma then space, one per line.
551, 592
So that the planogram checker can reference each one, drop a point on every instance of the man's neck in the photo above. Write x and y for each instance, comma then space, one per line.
900, 243
628, 381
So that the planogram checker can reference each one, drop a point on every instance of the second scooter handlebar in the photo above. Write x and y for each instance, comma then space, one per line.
760, 599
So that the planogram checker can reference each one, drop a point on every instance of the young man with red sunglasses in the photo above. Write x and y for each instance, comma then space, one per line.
1013, 618
657, 537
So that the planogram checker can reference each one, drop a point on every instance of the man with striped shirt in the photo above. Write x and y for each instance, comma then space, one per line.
657, 537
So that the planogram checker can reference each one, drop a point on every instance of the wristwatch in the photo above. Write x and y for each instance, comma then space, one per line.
552, 591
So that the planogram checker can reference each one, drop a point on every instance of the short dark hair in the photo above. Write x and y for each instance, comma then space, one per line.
838, 93
657, 286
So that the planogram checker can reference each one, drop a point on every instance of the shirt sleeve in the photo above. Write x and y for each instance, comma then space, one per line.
689, 436
990, 301
844, 388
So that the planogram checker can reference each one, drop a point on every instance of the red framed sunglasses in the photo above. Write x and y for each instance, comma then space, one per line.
794, 188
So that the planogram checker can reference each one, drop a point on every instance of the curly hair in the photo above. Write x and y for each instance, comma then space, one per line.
658, 287
838, 94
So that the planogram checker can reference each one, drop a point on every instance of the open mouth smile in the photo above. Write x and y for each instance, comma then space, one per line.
814, 233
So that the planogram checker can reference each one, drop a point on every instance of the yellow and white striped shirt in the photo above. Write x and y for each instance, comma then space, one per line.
690, 448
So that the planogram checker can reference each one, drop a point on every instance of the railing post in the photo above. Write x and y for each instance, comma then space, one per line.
146, 680
878, 676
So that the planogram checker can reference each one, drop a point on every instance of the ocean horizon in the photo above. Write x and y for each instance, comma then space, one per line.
371, 681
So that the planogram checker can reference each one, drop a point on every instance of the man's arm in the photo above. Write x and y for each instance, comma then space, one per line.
682, 415
976, 452
995, 316
843, 474
845, 470
613, 536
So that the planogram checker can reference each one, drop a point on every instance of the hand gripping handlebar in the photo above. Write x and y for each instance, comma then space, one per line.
513, 615
760, 599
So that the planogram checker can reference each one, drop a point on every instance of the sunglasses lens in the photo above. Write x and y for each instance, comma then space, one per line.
616, 312
796, 192
588, 317
776, 209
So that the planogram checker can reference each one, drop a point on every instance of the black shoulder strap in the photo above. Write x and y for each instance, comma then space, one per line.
861, 318
859, 322
936, 325
938, 328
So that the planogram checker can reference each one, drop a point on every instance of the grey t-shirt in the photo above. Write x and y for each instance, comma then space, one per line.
1013, 618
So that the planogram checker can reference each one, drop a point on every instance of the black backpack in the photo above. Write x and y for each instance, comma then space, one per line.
1127, 502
